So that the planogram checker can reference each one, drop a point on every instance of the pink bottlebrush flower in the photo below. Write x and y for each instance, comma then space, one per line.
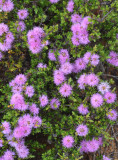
9, 37
95, 59
10, 139
17, 100
58, 77
25, 120
41, 65
6, 128
51, 56
80, 64
76, 18
112, 115
68, 141
70, 6
35, 47
20, 79
29, 91
106, 158
92, 79
82, 130
96, 100
3, 28
103, 87
43, 100
8, 155
37, 121
54, 1
100, 141
84, 39
54, 103
66, 68
87, 57
8, 6
21, 26
22, 151
76, 29
113, 58
82, 81
63, 56
110, 97
93, 145
33, 109
83, 146
65, 90
85, 22
22, 14
75, 40
18, 132
17, 89
83, 109
39, 31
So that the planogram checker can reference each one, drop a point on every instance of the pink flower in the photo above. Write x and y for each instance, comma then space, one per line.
92, 79
68, 141
3, 28
112, 114
87, 57
76, 18
20, 79
70, 6
96, 100
21, 26
110, 97
54, 103
43, 100
80, 64
65, 90
63, 56
51, 56
95, 59
29, 91
37, 121
103, 87
82, 130
6, 128
8, 6
82, 81
23, 13
33, 109
83, 109
83, 146
54, 1
58, 77
66, 68
92, 146
106, 158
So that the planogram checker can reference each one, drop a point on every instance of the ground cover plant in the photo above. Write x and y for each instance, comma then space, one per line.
58, 85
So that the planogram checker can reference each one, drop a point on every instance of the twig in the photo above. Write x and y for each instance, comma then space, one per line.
106, 15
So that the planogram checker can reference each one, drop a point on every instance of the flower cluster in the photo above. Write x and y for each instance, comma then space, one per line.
91, 145
9, 38
79, 30
25, 123
35, 38
19, 87
113, 58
